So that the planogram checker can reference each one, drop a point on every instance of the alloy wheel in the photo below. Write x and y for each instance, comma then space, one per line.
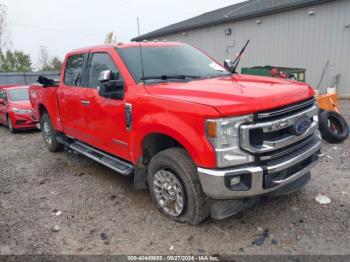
169, 192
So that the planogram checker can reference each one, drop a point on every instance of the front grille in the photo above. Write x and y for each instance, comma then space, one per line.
20, 122
271, 135
284, 111
304, 144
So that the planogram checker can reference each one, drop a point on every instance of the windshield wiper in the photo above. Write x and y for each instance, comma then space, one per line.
166, 77
218, 75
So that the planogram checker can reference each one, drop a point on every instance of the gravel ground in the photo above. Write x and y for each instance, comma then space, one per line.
103, 214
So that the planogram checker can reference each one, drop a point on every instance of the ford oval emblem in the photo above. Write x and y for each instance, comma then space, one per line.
301, 125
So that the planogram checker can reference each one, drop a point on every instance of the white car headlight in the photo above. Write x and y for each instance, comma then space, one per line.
21, 111
223, 134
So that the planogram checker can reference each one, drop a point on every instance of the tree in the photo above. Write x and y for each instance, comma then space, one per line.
110, 38
43, 58
3, 27
55, 64
16, 61
47, 63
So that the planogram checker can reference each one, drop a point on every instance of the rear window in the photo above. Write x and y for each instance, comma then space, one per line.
74, 70
19, 94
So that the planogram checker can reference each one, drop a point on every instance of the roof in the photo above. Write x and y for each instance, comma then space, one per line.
240, 11
126, 45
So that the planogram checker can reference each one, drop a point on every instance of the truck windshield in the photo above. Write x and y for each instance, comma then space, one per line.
19, 94
169, 63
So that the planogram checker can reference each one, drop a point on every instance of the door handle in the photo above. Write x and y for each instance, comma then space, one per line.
85, 102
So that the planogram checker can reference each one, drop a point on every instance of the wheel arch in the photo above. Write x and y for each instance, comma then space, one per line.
161, 139
41, 110
52, 115
153, 143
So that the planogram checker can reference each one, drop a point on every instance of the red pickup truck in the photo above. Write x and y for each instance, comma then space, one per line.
203, 140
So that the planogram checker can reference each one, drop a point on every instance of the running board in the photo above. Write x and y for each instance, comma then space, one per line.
103, 158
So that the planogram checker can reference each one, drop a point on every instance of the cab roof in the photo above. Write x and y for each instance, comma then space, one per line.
130, 44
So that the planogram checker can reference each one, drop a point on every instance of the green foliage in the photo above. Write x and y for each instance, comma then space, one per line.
53, 64
16, 61
47, 63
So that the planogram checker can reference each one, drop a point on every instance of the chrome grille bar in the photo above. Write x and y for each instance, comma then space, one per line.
287, 109
275, 125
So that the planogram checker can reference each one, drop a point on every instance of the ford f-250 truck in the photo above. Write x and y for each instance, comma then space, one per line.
204, 141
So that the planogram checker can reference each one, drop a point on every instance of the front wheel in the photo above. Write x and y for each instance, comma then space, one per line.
175, 187
10, 125
49, 134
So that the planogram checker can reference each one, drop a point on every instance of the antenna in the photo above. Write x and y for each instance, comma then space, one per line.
142, 71
238, 58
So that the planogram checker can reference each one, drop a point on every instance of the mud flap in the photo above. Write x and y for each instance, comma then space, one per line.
221, 209
140, 176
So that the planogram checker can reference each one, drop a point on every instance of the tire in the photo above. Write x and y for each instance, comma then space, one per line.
332, 126
49, 134
177, 166
10, 125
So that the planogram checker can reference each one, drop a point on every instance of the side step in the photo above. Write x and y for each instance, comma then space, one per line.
103, 158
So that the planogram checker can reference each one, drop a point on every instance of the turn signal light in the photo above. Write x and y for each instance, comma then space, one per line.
212, 129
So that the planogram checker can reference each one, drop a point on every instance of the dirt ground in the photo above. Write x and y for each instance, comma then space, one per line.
103, 214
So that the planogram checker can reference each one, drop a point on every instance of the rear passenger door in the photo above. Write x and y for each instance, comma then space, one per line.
71, 99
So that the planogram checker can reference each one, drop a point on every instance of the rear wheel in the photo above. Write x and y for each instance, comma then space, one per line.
49, 134
175, 187
10, 125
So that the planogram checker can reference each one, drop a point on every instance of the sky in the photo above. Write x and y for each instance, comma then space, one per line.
63, 25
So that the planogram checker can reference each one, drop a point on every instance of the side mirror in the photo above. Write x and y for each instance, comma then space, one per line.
113, 89
228, 64
2, 102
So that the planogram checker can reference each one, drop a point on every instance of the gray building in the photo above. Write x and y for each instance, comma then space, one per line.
290, 33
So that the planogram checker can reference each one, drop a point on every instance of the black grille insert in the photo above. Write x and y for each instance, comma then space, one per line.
269, 178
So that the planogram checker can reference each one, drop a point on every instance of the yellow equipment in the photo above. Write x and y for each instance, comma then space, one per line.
328, 102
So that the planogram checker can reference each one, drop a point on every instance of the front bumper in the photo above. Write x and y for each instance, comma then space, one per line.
259, 179
23, 121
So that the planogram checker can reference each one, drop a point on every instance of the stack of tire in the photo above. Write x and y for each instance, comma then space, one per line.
332, 126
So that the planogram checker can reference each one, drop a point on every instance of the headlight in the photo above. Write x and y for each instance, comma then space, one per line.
21, 111
224, 136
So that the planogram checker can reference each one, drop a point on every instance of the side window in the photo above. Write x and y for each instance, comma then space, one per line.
100, 62
74, 70
3, 95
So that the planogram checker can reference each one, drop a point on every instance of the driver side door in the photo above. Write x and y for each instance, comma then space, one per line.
104, 117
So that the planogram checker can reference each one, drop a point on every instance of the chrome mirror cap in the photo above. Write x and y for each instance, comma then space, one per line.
105, 76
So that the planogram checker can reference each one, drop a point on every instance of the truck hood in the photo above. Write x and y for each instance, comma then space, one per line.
236, 95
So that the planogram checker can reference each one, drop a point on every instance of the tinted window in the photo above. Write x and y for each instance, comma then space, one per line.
74, 69
19, 94
169, 60
3, 95
100, 62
